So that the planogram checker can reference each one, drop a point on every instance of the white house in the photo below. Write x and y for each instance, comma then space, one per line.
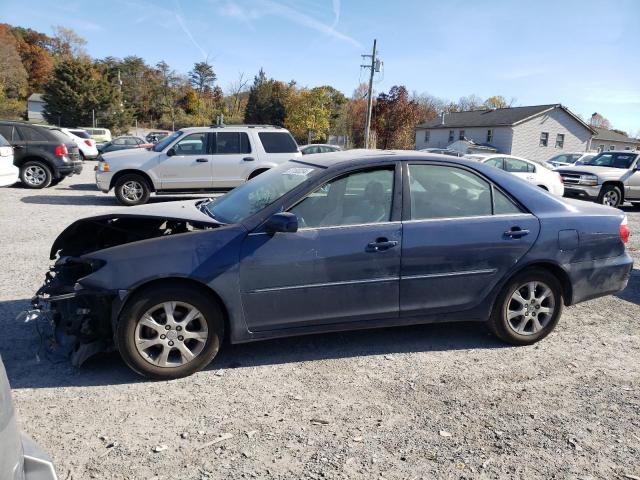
535, 132
35, 106
612, 140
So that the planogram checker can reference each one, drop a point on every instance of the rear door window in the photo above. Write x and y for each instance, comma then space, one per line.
31, 134
232, 142
278, 142
496, 162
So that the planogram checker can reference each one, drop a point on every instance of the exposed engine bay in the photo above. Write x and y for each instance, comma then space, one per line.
80, 320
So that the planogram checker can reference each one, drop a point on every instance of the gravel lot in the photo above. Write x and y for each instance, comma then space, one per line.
436, 401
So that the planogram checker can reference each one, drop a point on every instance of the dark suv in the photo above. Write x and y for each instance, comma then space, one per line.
44, 155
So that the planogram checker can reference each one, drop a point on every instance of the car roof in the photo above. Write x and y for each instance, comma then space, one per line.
370, 156
234, 127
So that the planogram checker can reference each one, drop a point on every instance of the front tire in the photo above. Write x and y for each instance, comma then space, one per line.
611, 196
132, 190
169, 332
528, 308
35, 174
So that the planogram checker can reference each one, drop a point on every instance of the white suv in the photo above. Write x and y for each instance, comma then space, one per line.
197, 159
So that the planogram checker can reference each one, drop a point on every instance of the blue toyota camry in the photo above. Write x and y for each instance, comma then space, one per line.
348, 240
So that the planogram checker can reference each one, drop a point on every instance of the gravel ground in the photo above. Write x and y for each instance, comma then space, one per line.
436, 401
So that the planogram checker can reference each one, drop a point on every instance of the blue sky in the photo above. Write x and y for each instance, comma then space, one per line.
584, 54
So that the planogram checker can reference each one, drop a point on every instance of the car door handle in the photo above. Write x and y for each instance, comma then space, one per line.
380, 245
202, 160
248, 159
516, 232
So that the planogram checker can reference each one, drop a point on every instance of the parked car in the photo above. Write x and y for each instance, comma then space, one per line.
198, 159
532, 172
442, 151
123, 143
9, 173
83, 140
564, 159
609, 178
319, 148
155, 137
100, 135
338, 242
20, 457
44, 155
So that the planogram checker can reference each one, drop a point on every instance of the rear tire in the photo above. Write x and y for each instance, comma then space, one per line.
521, 318
162, 346
35, 174
132, 190
610, 195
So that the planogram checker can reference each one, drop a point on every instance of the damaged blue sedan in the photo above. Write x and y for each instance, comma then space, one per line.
340, 241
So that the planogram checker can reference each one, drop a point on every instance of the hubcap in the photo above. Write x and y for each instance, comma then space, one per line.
35, 175
530, 308
171, 334
610, 198
132, 191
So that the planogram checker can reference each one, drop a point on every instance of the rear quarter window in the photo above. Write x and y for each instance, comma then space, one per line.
278, 142
80, 133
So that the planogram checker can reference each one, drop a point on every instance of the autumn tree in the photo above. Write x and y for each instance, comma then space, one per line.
396, 117
308, 114
13, 76
67, 44
497, 101
598, 121
34, 49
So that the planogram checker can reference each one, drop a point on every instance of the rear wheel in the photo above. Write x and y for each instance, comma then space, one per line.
528, 308
169, 332
132, 190
35, 174
610, 195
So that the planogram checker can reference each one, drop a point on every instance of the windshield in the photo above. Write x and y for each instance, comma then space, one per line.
260, 192
161, 145
610, 159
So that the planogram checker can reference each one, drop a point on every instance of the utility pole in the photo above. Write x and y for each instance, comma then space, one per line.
375, 67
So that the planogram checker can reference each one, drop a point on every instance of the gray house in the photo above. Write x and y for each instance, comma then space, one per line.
35, 106
611, 140
537, 132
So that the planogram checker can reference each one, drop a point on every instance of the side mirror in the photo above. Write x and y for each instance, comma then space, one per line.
285, 222
171, 152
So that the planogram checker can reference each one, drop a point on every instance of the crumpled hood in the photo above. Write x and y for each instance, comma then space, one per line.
131, 224
602, 172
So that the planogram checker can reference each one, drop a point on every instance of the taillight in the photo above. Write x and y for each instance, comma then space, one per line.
61, 151
88, 143
623, 228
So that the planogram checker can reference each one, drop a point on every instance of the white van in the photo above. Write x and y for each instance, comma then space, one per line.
198, 159
100, 135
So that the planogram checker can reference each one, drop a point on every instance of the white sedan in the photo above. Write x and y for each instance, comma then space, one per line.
8, 172
530, 171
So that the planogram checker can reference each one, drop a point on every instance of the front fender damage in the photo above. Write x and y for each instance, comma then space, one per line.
78, 319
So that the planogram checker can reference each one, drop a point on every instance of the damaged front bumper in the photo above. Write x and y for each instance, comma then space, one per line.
79, 319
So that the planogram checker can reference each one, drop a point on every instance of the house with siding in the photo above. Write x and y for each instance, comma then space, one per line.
535, 132
35, 107
613, 140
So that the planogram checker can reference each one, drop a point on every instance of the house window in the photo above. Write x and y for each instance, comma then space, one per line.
600, 148
450, 136
612, 147
426, 136
627, 148
461, 135
544, 139
560, 140
489, 136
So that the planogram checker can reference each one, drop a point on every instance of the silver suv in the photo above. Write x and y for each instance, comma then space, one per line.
197, 159
610, 178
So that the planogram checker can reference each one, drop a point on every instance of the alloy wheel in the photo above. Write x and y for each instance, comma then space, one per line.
611, 198
530, 308
132, 191
35, 175
171, 334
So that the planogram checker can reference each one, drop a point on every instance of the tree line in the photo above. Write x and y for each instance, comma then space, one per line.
119, 93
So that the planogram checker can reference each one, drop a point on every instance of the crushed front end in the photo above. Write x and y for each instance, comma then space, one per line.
80, 318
